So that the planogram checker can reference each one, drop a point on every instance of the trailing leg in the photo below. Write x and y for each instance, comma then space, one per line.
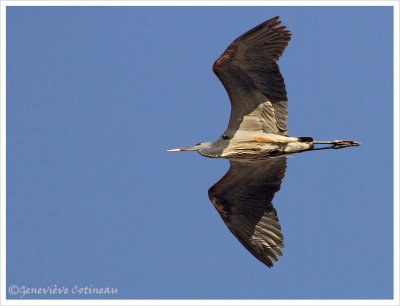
338, 144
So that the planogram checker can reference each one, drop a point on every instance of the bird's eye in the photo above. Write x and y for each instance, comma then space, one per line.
225, 136
197, 144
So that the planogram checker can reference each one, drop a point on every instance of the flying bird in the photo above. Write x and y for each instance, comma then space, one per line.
256, 141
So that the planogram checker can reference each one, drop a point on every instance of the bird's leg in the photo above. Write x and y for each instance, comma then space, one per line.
338, 144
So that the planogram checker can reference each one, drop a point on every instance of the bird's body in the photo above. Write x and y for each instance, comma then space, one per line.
256, 145
256, 140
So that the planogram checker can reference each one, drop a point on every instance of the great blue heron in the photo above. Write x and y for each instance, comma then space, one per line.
255, 140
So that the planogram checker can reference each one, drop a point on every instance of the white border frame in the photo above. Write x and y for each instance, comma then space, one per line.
3, 290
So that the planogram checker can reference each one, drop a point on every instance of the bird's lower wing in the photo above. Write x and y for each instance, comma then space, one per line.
243, 199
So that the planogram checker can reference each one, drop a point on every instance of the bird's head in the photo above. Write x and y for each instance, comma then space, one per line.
204, 148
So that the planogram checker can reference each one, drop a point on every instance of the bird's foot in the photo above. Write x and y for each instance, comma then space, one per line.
338, 144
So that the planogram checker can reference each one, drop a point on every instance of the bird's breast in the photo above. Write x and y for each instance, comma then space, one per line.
252, 147
262, 145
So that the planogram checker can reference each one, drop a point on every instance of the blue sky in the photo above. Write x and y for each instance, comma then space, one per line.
95, 95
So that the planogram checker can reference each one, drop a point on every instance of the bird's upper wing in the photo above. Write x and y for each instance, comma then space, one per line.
251, 76
243, 199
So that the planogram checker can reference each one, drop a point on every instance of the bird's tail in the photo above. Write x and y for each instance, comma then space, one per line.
305, 139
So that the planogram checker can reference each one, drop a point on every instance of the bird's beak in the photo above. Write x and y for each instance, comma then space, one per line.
192, 148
